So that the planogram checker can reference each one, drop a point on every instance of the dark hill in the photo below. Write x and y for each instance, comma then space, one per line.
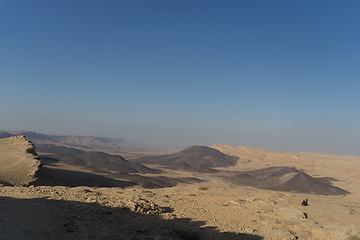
284, 179
55, 149
100, 162
107, 171
194, 159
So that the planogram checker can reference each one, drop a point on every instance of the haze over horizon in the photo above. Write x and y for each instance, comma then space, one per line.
282, 75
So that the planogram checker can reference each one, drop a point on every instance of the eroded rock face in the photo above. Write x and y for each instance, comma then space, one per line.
19, 162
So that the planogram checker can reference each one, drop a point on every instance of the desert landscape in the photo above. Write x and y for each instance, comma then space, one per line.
75, 189
179, 120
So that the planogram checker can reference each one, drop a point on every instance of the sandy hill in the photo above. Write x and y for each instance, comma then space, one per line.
194, 159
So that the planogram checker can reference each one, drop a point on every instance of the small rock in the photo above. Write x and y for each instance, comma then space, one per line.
305, 202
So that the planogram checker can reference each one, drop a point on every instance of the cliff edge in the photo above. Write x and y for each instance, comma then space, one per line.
19, 162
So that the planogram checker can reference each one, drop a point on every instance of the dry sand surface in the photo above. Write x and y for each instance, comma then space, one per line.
211, 209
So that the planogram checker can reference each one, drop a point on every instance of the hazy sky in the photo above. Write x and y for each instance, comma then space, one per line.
283, 75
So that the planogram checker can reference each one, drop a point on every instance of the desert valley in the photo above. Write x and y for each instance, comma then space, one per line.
76, 187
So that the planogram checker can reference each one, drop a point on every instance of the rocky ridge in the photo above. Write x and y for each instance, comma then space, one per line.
19, 163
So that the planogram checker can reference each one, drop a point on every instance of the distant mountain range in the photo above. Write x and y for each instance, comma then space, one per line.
55, 149
85, 142
44, 142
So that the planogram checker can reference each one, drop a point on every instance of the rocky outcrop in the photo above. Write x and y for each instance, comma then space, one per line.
19, 163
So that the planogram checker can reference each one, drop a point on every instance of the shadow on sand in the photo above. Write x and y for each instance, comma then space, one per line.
61, 177
41, 218
52, 176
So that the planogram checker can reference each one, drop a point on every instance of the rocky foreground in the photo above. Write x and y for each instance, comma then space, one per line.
182, 212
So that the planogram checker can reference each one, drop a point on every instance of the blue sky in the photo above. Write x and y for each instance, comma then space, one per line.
278, 74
